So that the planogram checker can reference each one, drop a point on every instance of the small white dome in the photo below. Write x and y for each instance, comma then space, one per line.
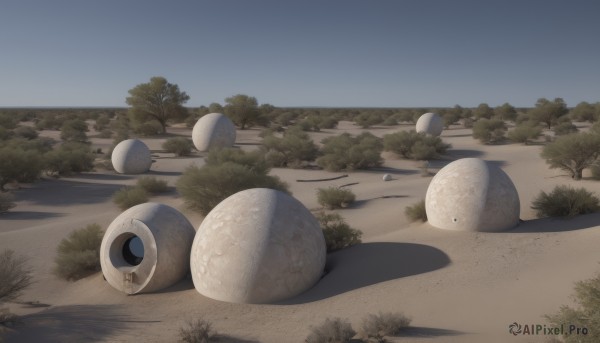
131, 156
387, 177
430, 123
472, 195
257, 246
214, 130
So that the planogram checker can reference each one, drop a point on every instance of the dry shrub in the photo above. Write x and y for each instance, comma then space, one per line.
334, 197
198, 331
152, 185
416, 211
332, 330
338, 234
130, 196
376, 326
78, 255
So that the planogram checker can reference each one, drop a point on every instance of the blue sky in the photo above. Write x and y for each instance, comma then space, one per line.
301, 53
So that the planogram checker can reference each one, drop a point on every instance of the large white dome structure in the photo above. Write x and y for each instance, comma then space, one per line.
214, 130
257, 246
146, 248
430, 123
131, 156
472, 195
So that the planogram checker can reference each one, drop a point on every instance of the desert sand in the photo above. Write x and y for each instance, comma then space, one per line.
456, 286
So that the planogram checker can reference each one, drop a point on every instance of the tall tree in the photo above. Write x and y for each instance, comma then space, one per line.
506, 112
548, 112
243, 110
483, 111
159, 100
215, 107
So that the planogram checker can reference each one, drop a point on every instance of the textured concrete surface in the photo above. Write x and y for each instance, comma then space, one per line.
131, 156
430, 123
472, 195
257, 246
214, 130
167, 237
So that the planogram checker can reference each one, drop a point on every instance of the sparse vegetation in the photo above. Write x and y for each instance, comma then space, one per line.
338, 234
334, 197
15, 276
331, 330
345, 152
524, 133
375, 327
292, 150
204, 188
130, 196
253, 160
198, 331
584, 315
179, 146
565, 201
19, 165
565, 128
69, 158
152, 185
489, 131
7, 201
78, 255
414, 145
548, 112
416, 211
573, 153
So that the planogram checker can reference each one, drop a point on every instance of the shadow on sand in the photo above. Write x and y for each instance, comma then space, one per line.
62, 192
109, 177
29, 215
425, 332
558, 224
390, 170
163, 173
73, 323
362, 202
371, 263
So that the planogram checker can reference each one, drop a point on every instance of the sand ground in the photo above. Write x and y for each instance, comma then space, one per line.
457, 286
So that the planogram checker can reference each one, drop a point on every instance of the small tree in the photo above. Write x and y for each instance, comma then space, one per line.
78, 255
332, 330
15, 276
573, 153
338, 234
345, 152
74, 131
524, 133
414, 145
179, 146
565, 201
548, 112
505, 112
584, 111
159, 100
489, 130
19, 165
483, 111
204, 188
68, 159
334, 197
243, 110
585, 315
292, 150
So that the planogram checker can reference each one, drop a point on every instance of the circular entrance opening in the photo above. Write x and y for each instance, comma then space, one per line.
133, 250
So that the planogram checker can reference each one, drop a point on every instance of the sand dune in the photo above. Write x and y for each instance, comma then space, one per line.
457, 286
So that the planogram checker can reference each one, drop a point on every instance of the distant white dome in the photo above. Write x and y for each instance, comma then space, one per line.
146, 248
214, 130
257, 246
131, 156
430, 123
387, 177
472, 195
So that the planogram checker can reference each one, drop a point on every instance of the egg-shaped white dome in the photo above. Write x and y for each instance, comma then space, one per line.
257, 246
472, 195
146, 248
430, 123
214, 130
131, 156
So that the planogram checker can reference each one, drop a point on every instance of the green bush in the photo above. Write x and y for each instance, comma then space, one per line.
7, 121
19, 165
390, 121
345, 152
198, 331
15, 276
26, 132
376, 327
366, 119
489, 131
179, 146
415, 146
152, 185
292, 150
524, 133
338, 234
565, 201
70, 158
585, 315
565, 128
204, 188
78, 255
74, 131
573, 153
416, 211
150, 128
130, 196
253, 160
102, 122
7, 201
467, 123
334, 197
106, 133
333, 330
